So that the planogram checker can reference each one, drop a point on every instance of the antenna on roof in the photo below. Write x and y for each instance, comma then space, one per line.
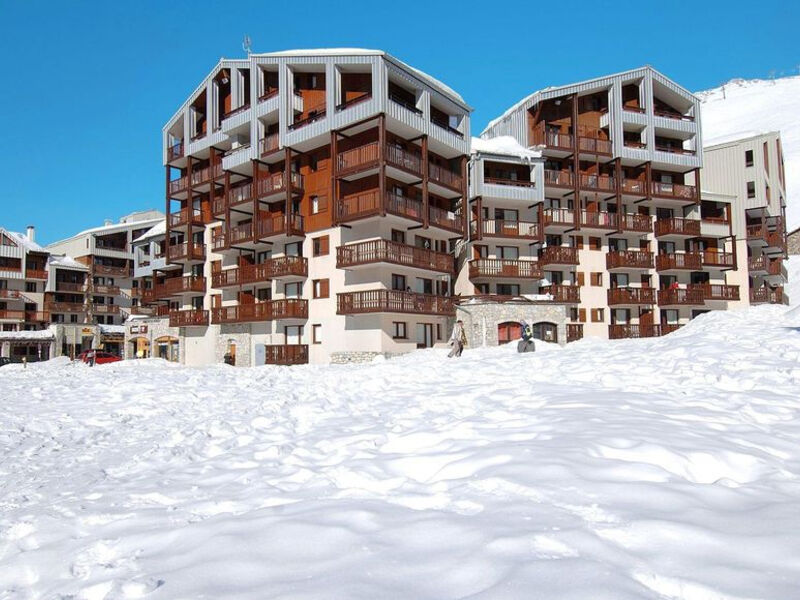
246, 44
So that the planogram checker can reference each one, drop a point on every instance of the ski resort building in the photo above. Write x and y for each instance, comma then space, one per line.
750, 168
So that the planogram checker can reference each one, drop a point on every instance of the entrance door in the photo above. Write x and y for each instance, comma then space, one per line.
508, 332
547, 332
424, 335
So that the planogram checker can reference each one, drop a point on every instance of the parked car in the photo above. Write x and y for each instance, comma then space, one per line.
101, 358
4, 360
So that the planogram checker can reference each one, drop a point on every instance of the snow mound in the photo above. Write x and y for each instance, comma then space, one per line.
665, 468
504, 145
742, 107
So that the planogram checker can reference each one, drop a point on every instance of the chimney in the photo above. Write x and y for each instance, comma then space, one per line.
31, 233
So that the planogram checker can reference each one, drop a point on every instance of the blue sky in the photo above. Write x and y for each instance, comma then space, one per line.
88, 86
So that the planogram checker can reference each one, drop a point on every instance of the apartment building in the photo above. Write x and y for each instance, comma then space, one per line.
619, 228
314, 201
750, 168
91, 282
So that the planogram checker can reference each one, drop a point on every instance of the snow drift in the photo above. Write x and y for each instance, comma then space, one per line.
663, 468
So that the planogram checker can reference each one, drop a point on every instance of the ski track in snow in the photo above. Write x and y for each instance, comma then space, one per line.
656, 469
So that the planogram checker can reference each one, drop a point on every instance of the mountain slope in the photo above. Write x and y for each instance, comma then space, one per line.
759, 105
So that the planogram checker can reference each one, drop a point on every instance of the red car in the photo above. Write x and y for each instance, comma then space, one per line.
101, 358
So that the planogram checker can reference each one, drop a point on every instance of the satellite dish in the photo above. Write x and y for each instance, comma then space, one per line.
246, 44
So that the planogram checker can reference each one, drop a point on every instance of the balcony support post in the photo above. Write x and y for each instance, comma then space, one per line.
227, 191
479, 210
617, 189
425, 195
540, 219
464, 192
334, 173
167, 210
576, 163
648, 176
288, 185
382, 162
697, 192
189, 203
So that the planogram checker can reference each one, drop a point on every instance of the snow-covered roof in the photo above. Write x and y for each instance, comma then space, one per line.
66, 262
735, 137
41, 334
22, 240
504, 145
156, 230
110, 228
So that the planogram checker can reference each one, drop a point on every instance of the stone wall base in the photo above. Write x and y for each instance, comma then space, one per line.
347, 358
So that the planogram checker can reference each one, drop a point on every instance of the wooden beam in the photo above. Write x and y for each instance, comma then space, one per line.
425, 192
382, 162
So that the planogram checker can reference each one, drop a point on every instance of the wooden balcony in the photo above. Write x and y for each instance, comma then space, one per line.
674, 191
14, 315
111, 270
182, 218
175, 150
175, 286
107, 290
552, 138
368, 157
445, 177
633, 187
186, 252
146, 311
558, 217
681, 297
71, 287
445, 219
757, 233
668, 114
274, 268
631, 296
265, 227
677, 227
275, 183
7, 294
629, 259
509, 182
598, 183
558, 255
37, 316
64, 307
178, 185
599, 220
574, 332
766, 295
562, 179
569, 294
268, 144
188, 318
287, 354
385, 251
312, 115
722, 260
635, 222
503, 268
715, 291
105, 309
594, 145
393, 301
369, 204
617, 332
674, 150
495, 228
269, 310
35, 274
689, 261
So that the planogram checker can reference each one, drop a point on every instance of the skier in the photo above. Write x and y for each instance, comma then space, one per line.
526, 344
458, 339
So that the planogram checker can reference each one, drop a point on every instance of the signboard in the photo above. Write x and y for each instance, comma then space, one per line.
138, 329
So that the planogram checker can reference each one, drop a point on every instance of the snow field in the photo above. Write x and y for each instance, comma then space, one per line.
659, 469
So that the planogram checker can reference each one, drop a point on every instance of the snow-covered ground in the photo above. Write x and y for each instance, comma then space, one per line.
758, 105
657, 469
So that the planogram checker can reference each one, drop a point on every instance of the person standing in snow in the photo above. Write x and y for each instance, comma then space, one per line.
458, 339
526, 344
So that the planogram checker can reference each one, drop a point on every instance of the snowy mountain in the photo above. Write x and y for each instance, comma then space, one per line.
759, 105
660, 469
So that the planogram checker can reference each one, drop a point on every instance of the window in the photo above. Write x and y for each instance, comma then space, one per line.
316, 334
399, 330
398, 236
424, 286
597, 279
197, 303
573, 313
581, 278
293, 290
30, 286
293, 249
321, 288
508, 289
597, 315
748, 158
508, 252
422, 241
264, 294
481, 251
261, 258
577, 242
399, 282
595, 243
312, 163
751, 189
318, 204
582, 315
482, 288
293, 334
320, 246
766, 158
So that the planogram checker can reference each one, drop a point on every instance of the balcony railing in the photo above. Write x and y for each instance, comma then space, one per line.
446, 126
399, 100
109, 309
569, 294
178, 185
558, 216
361, 157
552, 138
268, 93
188, 318
504, 268
181, 285
186, 251
242, 313
672, 115
37, 316
393, 301
716, 291
175, 151
182, 217
236, 111
510, 182
603, 183
599, 220
574, 332
558, 178
446, 219
635, 222
15, 315
558, 255
287, 354
681, 297
631, 295
64, 307
629, 259
674, 150
444, 176
385, 251
402, 158
68, 286
634, 187
616, 332
290, 225
314, 114
765, 295
594, 145
690, 261
636, 109
353, 101
111, 270
107, 290
268, 144
677, 226
757, 232
674, 190
507, 229
719, 259
275, 183
35, 274
283, 266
